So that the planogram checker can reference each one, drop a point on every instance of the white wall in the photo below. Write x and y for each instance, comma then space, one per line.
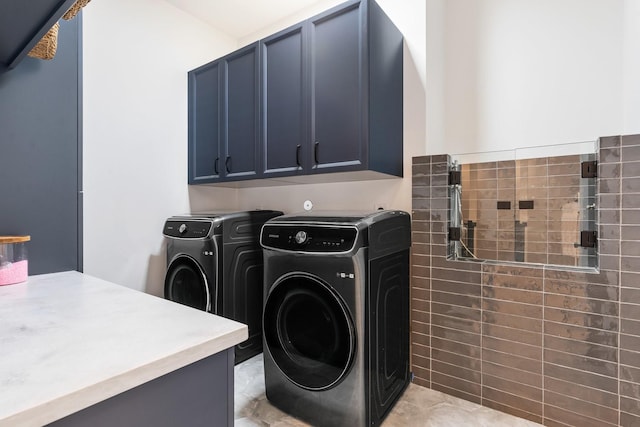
434, 69
523, 73
631, 67
136, 57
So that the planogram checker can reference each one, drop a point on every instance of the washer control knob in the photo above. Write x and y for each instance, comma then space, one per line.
301, 237
183, 228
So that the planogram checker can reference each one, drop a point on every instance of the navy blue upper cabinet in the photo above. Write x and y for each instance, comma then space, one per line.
284, 103
204, 123
240, 113
327, 97
223, 118
339, 88
356, 90
332, 94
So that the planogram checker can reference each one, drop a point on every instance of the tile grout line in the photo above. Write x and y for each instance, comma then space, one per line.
431, 256
620, 160
482, 398
544, 304
542, 344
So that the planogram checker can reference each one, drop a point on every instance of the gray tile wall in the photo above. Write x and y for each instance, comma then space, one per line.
557, 346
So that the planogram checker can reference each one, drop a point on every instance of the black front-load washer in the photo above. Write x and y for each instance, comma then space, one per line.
336, 315
215, 264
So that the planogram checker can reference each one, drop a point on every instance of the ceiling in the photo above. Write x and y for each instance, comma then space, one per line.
240, 18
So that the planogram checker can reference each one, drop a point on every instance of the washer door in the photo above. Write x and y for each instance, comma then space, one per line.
308, 332
186, 284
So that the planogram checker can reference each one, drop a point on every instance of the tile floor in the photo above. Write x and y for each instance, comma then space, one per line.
418, 407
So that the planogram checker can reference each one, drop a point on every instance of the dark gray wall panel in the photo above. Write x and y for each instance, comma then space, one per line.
39, 154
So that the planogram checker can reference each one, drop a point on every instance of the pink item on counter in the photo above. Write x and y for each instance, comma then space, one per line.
14, 272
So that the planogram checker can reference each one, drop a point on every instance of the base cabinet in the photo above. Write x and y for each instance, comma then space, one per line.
198, 395
330, 100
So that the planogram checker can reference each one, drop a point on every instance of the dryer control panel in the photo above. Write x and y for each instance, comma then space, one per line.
187, 229
308, 238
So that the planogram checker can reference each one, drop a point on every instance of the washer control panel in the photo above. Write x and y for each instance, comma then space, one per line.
308, 238
187, 229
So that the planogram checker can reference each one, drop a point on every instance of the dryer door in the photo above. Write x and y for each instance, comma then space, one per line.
186, 283
308, 332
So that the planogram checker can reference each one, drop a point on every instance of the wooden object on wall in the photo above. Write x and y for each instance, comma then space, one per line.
14, 239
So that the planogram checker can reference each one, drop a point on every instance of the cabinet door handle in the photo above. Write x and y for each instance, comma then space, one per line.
215, 166
298, 147
226, 164
315, 152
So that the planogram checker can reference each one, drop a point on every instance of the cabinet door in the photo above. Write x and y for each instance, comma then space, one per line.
204, 123
284, 130
241, 113
338, 85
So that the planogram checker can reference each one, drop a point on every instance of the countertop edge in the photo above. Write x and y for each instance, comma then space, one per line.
80, 399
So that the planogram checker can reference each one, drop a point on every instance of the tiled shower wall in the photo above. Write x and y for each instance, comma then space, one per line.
557, 346
545, 232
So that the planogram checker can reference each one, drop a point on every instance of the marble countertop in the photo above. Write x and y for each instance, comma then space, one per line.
69, 340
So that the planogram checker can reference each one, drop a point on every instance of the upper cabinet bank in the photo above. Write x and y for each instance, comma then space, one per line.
319, 97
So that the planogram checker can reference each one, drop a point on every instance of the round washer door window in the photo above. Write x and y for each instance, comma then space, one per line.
186, 284
308, 332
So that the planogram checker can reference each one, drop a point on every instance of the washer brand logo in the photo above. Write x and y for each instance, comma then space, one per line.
345, 275
207, 253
